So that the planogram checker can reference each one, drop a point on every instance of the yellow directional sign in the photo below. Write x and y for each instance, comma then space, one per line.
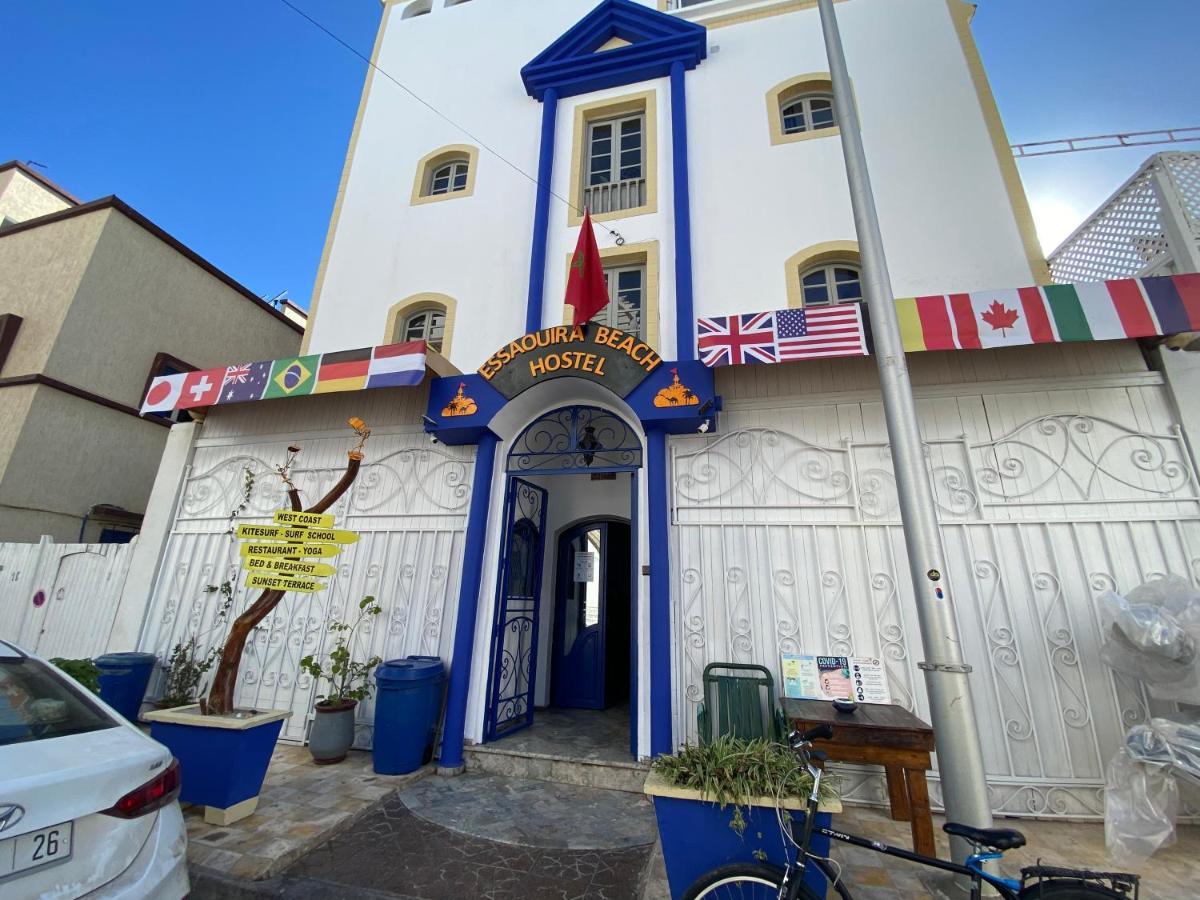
303, 519
283, 533
289, 551
279, 583
294, 567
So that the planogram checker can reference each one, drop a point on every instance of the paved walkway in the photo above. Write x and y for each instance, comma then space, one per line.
581, 734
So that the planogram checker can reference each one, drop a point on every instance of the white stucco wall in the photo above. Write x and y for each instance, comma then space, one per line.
22, 197
948, 221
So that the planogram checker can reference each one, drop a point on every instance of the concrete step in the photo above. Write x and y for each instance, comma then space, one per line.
611, 775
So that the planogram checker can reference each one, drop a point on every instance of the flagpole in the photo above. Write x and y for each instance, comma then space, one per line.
960, 758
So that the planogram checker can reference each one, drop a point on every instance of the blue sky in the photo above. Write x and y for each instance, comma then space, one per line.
226, 122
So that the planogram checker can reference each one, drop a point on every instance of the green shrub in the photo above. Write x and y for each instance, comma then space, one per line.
82, 670
183, 671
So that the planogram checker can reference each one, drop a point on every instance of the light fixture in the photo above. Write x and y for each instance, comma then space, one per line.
703, 429
589, 445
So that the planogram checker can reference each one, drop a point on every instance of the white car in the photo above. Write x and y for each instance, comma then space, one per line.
88, 804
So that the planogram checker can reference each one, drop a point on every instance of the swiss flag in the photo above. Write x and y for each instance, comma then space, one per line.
586, 291
201, 388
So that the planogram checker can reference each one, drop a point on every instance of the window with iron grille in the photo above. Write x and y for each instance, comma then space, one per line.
837, 282
448, 178
615, 170
428, 325
807, 112
626, 300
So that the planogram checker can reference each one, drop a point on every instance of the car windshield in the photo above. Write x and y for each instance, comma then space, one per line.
38, 702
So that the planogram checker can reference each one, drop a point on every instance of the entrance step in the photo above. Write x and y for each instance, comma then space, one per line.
613, 775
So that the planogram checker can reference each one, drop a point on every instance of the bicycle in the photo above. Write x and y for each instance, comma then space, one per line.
739, 881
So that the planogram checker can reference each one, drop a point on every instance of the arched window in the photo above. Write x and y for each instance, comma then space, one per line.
428, 325
417, 8
446, 173
807, 112
835, 282
448, 178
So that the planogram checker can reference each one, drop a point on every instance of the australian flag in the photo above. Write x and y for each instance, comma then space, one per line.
245, 382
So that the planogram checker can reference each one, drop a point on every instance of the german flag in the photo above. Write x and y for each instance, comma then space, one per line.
345, 370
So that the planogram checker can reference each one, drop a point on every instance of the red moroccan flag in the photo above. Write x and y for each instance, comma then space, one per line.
586, 290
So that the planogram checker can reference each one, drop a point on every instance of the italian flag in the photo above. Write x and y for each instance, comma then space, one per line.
1090, 311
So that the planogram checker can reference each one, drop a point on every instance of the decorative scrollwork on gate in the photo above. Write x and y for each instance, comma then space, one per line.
576, 438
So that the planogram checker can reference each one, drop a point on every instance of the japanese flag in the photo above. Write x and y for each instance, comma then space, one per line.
164, 393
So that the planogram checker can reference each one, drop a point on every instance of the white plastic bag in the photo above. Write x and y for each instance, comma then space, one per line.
1141, 801
1152, 634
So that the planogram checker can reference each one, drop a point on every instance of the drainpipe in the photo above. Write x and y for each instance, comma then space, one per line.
451, 760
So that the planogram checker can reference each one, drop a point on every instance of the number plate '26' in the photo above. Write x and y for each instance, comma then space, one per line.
38, 848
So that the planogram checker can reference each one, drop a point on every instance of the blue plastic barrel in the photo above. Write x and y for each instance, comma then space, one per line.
123, 680
407, 705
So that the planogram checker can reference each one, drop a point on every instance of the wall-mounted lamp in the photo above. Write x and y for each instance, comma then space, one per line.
589, 445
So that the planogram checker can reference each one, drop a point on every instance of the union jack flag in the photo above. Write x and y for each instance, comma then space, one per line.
237, 374
737, 340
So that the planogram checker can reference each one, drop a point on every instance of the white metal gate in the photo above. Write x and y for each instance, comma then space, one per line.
60, 599
787, 539
409, 506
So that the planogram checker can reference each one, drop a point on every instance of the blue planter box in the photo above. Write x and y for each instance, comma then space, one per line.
222, 760
697, 837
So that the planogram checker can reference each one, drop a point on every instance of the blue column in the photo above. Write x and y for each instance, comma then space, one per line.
685, 319
660, 593
541, 213
468, 603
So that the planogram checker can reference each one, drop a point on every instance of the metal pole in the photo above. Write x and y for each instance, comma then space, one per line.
960, 759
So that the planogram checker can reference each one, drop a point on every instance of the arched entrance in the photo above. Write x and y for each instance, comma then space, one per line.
563, 632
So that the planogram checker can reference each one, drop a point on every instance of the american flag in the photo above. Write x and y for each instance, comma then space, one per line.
782, 335
737, 340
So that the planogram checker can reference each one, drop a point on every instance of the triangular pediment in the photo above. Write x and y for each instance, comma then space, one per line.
618, 42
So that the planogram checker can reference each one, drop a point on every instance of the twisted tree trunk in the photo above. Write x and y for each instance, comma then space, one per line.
220, 698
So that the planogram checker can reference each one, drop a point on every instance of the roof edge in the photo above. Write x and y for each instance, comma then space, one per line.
40, 179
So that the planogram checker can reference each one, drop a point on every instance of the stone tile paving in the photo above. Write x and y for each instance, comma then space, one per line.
534, 813
394, 853
587, 734
301, 805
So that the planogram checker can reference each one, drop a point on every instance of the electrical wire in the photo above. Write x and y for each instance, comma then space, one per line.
441, 115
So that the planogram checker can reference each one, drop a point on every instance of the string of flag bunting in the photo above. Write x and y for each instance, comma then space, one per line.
391, 365
1056, 313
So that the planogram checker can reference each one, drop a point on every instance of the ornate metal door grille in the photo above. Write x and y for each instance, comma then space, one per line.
515, 633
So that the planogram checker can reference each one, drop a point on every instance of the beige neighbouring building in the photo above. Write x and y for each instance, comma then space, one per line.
95, 299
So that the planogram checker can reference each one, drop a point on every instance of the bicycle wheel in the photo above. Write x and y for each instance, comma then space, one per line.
742, 881
1070, 890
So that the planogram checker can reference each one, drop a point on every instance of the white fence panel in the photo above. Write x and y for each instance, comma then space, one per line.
786, 539
409, 506
61, 599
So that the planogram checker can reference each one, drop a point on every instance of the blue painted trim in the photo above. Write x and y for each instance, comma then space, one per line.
541, 214
468, 604
685, 320
635, 586
660, 595
572, 66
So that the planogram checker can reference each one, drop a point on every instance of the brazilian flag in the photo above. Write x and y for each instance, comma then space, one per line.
292, 376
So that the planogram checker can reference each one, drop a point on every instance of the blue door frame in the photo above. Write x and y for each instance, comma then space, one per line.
513, 670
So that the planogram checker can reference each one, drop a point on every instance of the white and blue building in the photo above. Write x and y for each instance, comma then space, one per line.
597, 522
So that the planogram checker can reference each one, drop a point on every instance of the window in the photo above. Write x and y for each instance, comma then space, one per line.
446, 173
428, 325
807, 112
626, 300
836, 282
615, 165
37, 702
447, 178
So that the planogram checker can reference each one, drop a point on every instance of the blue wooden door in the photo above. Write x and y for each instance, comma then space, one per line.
514, 635
588, 562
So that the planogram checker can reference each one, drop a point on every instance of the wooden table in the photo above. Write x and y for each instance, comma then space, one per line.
882, 735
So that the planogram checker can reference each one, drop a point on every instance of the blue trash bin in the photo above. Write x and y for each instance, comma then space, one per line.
123, 680
407, 705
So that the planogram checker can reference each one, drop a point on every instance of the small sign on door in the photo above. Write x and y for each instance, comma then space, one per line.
585, 566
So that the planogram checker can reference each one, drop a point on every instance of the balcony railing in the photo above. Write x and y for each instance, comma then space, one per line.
1131, 233
603, 198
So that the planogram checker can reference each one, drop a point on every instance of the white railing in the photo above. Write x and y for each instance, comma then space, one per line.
603, 198
1130, 234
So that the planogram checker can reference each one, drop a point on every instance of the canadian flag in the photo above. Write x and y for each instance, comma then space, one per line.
164, 392
201, 388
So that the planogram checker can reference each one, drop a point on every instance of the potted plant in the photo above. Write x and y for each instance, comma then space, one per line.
333, 725
223, 751
182, 674
717, 804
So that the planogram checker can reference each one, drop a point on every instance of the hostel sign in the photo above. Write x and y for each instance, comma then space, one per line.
617, 360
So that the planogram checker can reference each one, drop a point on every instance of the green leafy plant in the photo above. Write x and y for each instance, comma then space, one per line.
732, 771
348, 679
82, 670
184, 670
